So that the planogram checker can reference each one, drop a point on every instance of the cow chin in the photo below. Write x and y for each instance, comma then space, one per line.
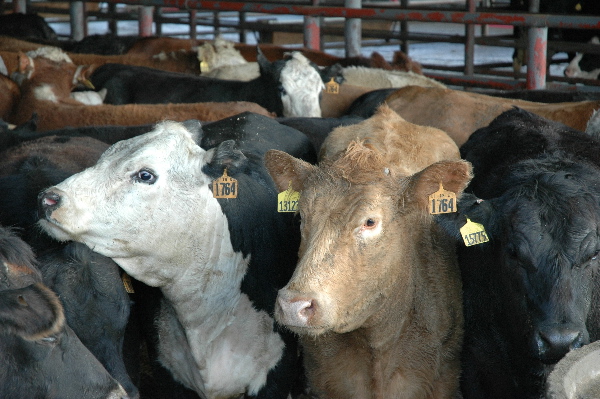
54, 230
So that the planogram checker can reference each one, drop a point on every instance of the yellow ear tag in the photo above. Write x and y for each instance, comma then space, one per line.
332, 87
225, 186
127, 283
473, 233
287, 201
442, 201
578, 7
204, 67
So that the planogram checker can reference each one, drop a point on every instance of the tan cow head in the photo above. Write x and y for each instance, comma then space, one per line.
364, 230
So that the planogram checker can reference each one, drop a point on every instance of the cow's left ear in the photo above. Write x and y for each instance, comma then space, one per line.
225, 156
334, 72
452, 175
195, 128
265, 66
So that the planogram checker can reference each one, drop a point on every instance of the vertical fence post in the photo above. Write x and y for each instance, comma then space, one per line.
537, 48
193, 25
470, 42
112, 20
312, 30
145, 20
77, 13
242, 19
352, 30
404, 28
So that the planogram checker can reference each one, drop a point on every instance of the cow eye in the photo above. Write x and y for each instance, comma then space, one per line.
145, 176
370, 223
282, 91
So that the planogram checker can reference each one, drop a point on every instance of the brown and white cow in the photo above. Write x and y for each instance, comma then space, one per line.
376, 295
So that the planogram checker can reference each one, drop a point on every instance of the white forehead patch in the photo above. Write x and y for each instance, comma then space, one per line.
303, 86
45, 92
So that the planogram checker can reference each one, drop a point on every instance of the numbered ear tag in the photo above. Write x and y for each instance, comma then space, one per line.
287, 201
127, 283
204, 67
225, 186
578, 7
473, 233
332, 87
442, 201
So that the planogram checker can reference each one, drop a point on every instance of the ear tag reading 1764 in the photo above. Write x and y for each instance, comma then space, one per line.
442, 201
225, 186
332, 87
287, 201
473, 233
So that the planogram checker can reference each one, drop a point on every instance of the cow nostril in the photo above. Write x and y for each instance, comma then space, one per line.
554, 343
49, 199
296, 311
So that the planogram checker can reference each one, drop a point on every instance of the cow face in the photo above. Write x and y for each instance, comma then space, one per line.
299, 84
150, 183
539, 271
360, 231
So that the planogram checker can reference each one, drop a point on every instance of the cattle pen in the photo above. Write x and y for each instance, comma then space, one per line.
472, 15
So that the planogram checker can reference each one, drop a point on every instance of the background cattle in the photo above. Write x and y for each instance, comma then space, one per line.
238, 251
531, 294
41, 356
375, 302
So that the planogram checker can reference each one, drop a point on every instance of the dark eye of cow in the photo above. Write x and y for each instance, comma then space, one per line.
145, 176
370, 223
51, 340
282, 91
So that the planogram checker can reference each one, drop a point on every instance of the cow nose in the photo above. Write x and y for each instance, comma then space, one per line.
554, 342
48, 201
295, 310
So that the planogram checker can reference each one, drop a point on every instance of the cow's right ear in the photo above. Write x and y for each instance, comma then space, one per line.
225, 156
285, 169
31, 312
195, 128
469, 206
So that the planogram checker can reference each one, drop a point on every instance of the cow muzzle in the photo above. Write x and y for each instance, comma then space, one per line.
553, 342
296, 310
48, 201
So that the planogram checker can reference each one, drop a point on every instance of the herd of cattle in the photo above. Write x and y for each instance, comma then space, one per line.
437, 243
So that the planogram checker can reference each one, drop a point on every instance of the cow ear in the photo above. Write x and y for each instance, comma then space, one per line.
332, 72
472, 207
31, 312
452, 175
264, 64
24, 63
285, 169
225, 156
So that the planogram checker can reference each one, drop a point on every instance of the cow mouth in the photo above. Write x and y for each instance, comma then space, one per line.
54, 229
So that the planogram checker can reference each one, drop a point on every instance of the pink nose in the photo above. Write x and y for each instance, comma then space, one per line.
295, 310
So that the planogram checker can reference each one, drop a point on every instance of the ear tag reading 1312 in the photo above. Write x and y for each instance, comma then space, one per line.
332, 87
225, 186
442, 201
473, 233
287, 201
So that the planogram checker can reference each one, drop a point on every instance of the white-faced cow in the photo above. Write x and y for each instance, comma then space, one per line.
288, 87
148, 204
41, 356
531, 294
376, 295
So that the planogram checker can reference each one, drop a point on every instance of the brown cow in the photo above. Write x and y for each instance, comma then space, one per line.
376, 294
460, 113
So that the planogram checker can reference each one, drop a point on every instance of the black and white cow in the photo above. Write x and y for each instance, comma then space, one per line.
531, 294
41, 356
148, 204
288, 87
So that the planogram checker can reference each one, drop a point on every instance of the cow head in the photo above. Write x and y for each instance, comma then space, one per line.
298, 81
117, 206
535, 279
360, 231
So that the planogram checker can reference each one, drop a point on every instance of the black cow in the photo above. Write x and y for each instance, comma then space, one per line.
288, 87
531, 292
27, 26
41, 356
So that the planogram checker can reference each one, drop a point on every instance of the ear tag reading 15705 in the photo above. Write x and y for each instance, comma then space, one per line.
442, 201
287, 201
332, 87
473, 233
225, 186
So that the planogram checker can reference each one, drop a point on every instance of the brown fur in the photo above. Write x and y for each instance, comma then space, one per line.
336, 105
408, 146
68, 112
386, 310
9, 96
460, 113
